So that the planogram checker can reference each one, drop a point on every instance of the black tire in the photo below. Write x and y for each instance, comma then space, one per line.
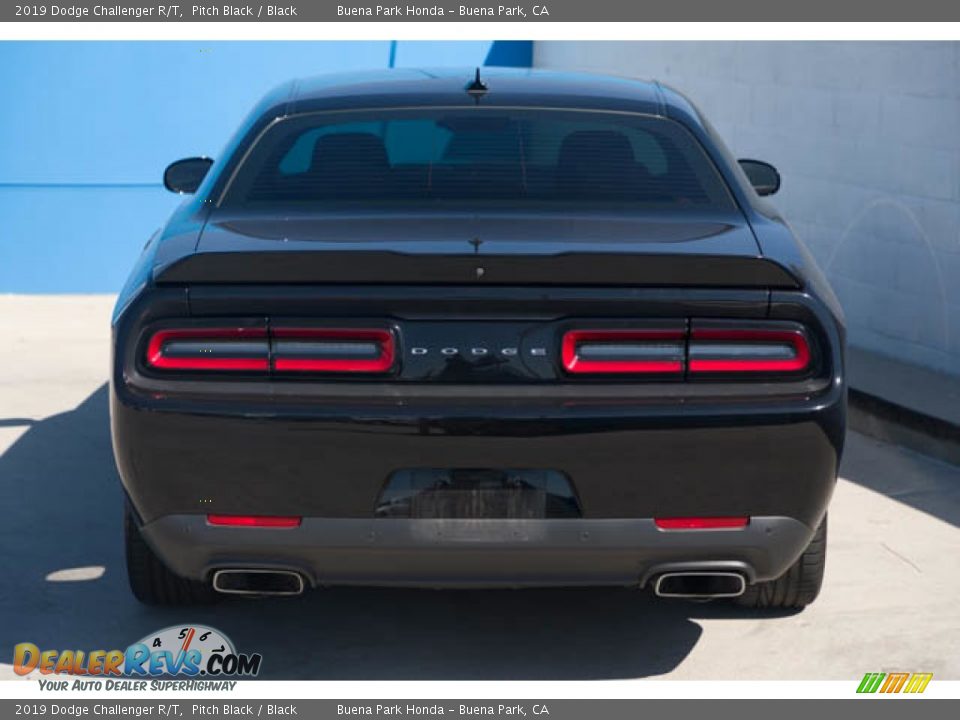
152, 582
798, 586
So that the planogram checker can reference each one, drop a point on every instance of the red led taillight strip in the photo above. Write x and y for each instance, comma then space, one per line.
655, 338
739, 343
382, 339
216, 356
272, 521
284, 349
702, 523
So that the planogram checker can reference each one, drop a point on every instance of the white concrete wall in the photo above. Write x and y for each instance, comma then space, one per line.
867, 138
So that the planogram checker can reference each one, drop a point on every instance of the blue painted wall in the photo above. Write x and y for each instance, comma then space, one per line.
86, 129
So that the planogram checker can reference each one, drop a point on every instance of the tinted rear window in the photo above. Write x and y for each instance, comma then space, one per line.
520, 159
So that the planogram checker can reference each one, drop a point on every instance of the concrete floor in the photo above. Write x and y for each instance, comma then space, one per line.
891, 599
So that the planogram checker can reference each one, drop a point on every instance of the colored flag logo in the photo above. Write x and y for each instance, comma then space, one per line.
894, 682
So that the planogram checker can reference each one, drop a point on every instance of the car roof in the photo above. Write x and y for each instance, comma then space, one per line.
407, 87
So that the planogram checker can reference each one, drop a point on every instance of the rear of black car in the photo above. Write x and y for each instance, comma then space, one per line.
474, 347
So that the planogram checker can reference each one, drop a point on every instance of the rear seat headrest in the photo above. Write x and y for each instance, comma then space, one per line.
595, 148
597, 163
349, 153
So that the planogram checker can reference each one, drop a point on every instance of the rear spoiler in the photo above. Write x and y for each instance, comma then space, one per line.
566, 269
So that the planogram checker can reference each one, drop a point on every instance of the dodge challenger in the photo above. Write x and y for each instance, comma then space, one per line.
490, 328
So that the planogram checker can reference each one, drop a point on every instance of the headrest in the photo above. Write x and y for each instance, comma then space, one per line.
358, 151
597, 163
593, 148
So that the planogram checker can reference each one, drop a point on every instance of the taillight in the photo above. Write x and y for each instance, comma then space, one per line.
222, 348
744, 350
284, 349
334, 350
702, 523
619, 350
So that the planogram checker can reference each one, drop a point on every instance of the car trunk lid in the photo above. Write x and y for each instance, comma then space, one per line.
704, 250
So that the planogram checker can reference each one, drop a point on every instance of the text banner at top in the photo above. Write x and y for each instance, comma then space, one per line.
472, 11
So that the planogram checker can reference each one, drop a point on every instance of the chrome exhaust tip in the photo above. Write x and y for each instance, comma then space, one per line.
703, 585
258, 582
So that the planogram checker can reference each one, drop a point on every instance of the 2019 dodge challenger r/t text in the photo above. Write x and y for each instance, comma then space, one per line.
476, 329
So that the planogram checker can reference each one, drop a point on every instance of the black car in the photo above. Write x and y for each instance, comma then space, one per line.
476, 328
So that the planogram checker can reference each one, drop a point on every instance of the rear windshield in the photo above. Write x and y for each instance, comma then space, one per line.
475, 158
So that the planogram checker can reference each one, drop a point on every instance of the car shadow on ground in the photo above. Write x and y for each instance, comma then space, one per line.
926, 484
64, 507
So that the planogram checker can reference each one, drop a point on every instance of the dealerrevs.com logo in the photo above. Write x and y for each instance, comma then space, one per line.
180, 650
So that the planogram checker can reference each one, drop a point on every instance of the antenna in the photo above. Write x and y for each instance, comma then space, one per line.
477, 89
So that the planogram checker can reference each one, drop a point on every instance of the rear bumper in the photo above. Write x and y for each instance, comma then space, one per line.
628, 463
624, 460
477, 553
632, 452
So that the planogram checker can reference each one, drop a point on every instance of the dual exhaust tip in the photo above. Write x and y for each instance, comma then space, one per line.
700, 585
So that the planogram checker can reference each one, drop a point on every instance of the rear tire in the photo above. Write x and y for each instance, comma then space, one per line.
151, 581
798, 586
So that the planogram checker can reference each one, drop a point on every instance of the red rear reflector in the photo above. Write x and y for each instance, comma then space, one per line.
723, 350
236, 348
273, 521
634, 350
344, 350
701, 523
